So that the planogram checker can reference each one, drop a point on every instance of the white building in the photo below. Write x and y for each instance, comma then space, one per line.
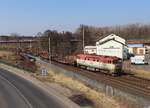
90, 49
112, 45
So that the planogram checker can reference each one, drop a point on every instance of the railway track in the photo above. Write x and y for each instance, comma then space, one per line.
136, 81
128, 83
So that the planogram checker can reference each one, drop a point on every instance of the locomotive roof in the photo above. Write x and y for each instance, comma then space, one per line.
98, 56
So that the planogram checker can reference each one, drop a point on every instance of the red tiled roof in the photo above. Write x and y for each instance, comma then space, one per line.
138, 41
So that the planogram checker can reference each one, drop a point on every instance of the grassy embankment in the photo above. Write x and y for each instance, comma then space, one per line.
16, 60
133, 70
100, 100
138, 73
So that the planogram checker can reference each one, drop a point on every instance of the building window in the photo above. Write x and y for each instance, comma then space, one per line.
146, 49
141, 51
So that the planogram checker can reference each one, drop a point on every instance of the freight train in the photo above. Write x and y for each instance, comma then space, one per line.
44, 54
105, 64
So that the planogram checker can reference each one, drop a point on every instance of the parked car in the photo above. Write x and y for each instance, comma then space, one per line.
138, 59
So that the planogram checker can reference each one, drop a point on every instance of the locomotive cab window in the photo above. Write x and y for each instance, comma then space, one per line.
119, 61
114, 62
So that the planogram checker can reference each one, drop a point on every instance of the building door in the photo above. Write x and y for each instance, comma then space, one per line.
141, 51
134, 50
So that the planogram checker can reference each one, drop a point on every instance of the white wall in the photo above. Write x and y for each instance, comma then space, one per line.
130, 50
141, 49
110, 48
90, 49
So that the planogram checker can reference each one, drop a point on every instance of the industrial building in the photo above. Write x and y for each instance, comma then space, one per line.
137, 49
90, 49
137, 46
112, 45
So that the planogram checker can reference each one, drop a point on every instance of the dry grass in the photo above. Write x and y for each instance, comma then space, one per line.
100, 100
127, 67
48, 78
8, 56
5, 53
139, 73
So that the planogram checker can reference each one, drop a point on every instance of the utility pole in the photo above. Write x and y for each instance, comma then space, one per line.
49, 46
83, 37
39, 44
39, 39
30, 44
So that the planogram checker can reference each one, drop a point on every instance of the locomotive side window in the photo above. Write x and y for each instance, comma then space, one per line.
78, 57
109, 61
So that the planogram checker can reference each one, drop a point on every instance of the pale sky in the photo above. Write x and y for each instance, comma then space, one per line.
27, 17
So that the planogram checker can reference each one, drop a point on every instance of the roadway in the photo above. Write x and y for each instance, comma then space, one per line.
16, 92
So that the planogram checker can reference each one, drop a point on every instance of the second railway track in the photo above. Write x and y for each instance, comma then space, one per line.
131, 84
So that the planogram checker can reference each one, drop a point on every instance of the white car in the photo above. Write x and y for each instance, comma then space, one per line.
138, 59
